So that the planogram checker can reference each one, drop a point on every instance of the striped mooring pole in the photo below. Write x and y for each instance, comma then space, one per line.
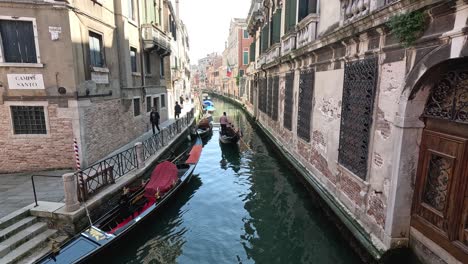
77, 155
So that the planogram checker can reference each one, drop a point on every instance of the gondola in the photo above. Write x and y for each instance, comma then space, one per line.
134, 207
230, 137
203, 128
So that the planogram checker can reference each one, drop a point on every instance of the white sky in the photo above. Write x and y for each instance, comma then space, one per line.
208, 23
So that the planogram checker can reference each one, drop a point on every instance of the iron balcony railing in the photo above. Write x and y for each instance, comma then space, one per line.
107, 171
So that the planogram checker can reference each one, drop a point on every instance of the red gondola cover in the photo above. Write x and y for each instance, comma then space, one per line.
164, 176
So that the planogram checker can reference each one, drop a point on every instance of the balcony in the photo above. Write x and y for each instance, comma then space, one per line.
288, 43
154, 38
256, 17
307, 30
273, 53
355, 9
260, 61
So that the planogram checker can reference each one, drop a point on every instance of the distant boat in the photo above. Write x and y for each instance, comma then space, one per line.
208, 103
135, 207
210, 109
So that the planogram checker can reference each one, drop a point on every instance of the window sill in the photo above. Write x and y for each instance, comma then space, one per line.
100, 69
22, 65
133, 22
29, 136
136, 74
149, 75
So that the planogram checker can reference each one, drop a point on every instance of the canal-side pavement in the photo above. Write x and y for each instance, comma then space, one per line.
16, 189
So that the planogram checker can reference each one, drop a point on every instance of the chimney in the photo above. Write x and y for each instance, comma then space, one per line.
177, 9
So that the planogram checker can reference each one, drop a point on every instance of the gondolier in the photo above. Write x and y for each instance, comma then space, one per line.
223, 121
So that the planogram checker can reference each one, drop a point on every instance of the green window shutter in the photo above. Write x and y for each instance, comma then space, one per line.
291, 6
252, 51
276, 27
265, 38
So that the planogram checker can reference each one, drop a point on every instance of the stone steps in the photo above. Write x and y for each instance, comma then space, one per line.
16, 227
29, 248
23, 238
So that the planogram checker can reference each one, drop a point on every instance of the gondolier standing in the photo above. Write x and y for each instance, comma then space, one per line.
154, 118
223, 121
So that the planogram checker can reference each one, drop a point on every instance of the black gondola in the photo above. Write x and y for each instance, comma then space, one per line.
232, 137
203, 128
117, 223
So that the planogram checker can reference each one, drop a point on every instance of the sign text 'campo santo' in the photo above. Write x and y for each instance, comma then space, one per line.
25, 81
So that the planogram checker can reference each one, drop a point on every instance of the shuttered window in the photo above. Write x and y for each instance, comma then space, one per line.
95, 50
252, 51
290, 19
264, 38
18, 41
246, 57
276, 27
150, 16
136, 107
304, 115
307, 7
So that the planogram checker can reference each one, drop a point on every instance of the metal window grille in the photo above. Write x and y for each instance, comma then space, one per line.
288, 101
306, 91
360, 82
251, 95
269, 96
262, 95
163, 100
148, 104
274, 110
28, 120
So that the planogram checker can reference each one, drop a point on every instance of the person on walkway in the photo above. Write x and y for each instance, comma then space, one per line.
181, 100
223, 121
177, 110
154, 118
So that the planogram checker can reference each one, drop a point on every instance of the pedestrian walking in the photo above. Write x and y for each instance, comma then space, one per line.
223, 121
154, 119
181, 100
177, 110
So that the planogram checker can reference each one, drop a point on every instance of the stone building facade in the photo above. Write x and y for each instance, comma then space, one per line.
379, 120
79, 70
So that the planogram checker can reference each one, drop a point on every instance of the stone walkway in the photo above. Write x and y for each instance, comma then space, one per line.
16, 189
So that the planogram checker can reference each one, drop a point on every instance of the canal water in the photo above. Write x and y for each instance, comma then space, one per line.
244, 205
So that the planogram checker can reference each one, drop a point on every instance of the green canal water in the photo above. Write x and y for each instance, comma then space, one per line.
244, 205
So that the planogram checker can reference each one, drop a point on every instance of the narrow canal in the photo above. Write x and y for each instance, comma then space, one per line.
243, 206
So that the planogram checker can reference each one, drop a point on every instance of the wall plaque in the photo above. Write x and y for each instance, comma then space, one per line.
100, 77
25, 81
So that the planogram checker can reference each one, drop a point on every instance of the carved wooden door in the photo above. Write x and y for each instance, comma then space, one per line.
440, 203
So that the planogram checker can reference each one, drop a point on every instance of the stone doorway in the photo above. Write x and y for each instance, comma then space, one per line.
440, 202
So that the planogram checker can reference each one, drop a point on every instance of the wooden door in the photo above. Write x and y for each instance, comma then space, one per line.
440, 204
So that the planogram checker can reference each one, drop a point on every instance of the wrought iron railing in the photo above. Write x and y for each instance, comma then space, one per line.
105, 172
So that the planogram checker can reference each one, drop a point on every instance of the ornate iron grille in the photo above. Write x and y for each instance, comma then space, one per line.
274, 113
306, 91
360, 82
251, 92
449, 98
288, 101
262, 95
270, 96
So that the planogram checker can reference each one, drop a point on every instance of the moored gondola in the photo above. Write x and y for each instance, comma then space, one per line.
134, 207
204, 127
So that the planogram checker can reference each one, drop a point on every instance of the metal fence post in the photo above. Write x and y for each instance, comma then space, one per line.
140, 155
71, 192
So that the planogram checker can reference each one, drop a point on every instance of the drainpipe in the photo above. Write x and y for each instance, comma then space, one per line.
140, 38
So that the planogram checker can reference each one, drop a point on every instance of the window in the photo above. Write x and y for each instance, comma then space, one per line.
156, 103
262, 96
18, 42
246, 57
161, 67
136, 106
306, 91
290, 19
148, 104
360, 82
28, 120
246, 34
133, 59
95, 50
131, 10
163, 100
252, 51
274, 103
288, 101
241, 73
276, 27
306, 7
148, 62
264, 38
150, 9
